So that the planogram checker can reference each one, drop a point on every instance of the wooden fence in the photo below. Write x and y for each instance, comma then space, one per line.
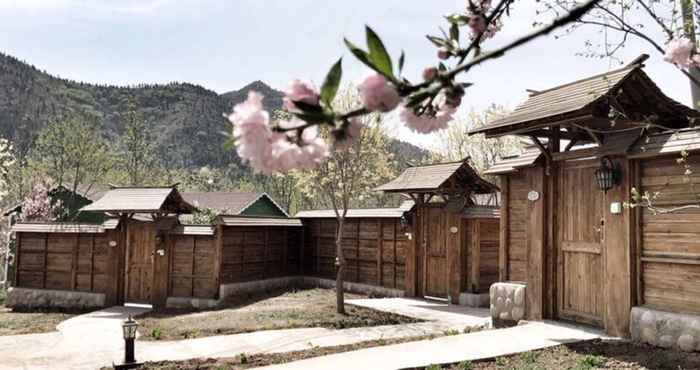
670, 243
259, 252
68, 261
374, 250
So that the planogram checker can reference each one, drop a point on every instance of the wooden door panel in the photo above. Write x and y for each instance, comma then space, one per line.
580, 243
141, 248
435, 257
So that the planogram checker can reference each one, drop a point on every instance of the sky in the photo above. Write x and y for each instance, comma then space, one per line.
225, 44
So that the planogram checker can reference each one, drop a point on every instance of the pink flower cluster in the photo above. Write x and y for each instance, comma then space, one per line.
378, 94
300, 91
268, 151
38, 205
477, 20
429, 121
680, 52
346, 138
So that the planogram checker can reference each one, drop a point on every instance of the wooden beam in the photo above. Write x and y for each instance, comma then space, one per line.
570, 145
46, 262
218, 256
18, 251
535, 246
74, 263
380, 249
503, 230
475, 256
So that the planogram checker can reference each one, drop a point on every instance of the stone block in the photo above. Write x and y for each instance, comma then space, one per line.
507, 303
26, 298
665, 329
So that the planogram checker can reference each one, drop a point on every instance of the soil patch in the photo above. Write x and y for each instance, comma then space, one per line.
274, 310
32, 322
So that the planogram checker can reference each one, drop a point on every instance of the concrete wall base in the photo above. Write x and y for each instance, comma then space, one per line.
29, 298
186, 302
507, 303
370, 290
665, 329
474, 299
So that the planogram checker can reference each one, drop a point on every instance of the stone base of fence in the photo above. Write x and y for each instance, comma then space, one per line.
474, 299
29, 298
665, 329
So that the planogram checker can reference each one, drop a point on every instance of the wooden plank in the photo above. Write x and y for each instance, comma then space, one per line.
580, 247
617, 258
503, 243
46, 250
380, 252
535, 247
475, 256
74, 264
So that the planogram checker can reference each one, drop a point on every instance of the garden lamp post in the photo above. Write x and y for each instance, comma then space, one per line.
129, 327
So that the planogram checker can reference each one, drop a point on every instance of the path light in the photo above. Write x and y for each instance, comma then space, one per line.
129, 327
607, 175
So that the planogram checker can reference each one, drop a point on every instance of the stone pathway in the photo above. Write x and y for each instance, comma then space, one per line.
94, 340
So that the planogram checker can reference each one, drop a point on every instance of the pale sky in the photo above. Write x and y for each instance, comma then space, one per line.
225, 44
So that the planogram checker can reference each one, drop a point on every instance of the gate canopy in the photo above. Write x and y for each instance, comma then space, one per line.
439, 178
141, 200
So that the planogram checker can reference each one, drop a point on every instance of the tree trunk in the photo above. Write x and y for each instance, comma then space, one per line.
340, 261
689, 31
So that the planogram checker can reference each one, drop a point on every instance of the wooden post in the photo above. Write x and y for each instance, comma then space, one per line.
454, 255
395, 261
475, 256
535, 246
17, 254
285, 244
218, 256
266, 250
637, 219
194, 253
302, 246
503, 232
358, 225
74, 263
92, 263
46, 262
318, 247
618, 258
551, 249
380, 249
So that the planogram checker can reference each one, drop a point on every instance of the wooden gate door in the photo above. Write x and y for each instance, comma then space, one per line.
581, 231
435, 256
139, 267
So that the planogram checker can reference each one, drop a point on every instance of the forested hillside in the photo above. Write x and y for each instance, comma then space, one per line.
186, 119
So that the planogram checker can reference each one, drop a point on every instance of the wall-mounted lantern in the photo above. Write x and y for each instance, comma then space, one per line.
607, 175
405, 222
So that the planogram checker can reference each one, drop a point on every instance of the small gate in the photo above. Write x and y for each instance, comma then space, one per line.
140, 253
435, 280
581, 233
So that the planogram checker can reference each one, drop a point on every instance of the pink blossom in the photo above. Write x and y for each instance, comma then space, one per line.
300, 91
38, 205
287, 151
477, 24
443, 53
427, 122
378, 94
251, 130
679, 51
347, 138
429, 73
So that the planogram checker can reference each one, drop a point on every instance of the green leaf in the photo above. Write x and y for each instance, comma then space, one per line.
437, 41
314, 117
378, 54
331, 83
308, 108
454, 32
359, 53
402, 60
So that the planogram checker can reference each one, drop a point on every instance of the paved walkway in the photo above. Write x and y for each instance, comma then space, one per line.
94, 340
450, 349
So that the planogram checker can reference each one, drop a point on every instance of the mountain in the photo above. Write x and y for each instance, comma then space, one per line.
187, 120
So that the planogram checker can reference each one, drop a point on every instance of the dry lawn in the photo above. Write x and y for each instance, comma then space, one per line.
13, 323
589, 355
277, 310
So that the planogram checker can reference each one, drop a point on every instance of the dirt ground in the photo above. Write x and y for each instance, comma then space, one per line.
596, 354
13, 323
276, 310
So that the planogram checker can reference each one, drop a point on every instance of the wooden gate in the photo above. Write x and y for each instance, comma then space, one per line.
435, 281
581, 231
140, 253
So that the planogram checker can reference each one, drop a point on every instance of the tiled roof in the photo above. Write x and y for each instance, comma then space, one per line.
230, 203
666, 143
58, 227
512, 164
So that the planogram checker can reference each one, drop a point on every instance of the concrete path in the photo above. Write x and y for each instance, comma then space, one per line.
450, 349
94, 340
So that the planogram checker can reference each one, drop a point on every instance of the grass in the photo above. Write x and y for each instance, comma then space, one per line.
275, 310
590, 355
246, 361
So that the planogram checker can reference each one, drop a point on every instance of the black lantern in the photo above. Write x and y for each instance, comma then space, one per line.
129, 328
607, 175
